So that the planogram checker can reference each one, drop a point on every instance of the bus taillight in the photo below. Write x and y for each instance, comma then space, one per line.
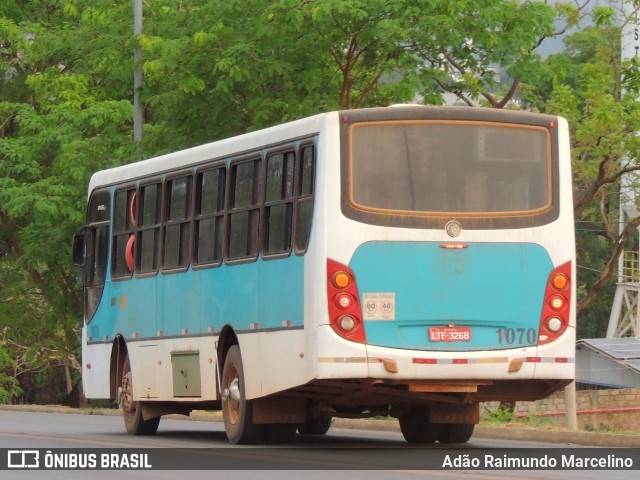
344, 301
556, 306
345, 313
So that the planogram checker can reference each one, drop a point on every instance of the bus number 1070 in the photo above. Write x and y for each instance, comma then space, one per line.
517, 336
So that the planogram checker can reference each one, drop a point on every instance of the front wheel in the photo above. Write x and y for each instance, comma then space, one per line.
132, 413
237, 411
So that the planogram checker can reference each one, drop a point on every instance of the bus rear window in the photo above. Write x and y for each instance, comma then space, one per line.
454, 168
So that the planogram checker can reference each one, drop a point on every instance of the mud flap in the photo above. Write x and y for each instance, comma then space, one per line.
277, 409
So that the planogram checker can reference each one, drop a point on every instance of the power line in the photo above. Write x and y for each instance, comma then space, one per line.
590, 269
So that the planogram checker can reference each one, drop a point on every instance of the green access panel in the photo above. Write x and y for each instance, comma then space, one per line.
186, 374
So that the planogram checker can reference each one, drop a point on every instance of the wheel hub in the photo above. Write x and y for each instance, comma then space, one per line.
231, 398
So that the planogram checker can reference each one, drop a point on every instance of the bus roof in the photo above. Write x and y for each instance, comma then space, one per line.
210, 151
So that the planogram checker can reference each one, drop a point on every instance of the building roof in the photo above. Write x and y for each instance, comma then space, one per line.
621, 354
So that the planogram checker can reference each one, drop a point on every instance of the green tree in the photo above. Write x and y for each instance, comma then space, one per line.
588, 84
463, 45
63, 115
213, 69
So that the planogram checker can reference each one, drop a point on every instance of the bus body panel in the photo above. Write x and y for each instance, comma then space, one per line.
134, 308
338, 358
138, 312
153, 370
280, 363
488, 287
175, 316
96, 368
155, 306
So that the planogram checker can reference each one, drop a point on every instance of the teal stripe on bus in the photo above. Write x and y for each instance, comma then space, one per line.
265, 294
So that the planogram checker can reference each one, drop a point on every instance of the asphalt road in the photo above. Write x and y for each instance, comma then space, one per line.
378, 454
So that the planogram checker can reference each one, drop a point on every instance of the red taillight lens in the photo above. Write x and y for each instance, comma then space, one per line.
557, 302
454, 246
555, 309
343, 301
345, 313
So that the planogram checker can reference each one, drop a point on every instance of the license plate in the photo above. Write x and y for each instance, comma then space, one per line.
450, 334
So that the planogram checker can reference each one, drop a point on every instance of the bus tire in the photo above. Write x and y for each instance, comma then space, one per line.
316, 425
416, 427
279, 433
237, 411
131, 411
456, 432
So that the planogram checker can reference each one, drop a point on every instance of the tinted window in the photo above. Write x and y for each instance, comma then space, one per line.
177, 225
244, 185
148, 238
150, 205
244, 218
211, 191
98, 210
209, 219
450, 168
100, 254
123, 251
178, 198
304, 201
279, 202
307, 167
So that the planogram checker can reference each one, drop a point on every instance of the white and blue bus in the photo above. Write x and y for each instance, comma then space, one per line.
404, 261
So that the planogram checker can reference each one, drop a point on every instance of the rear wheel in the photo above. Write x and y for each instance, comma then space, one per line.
132, 413
416, 427
456, 432
237, 411
316, 425
278, 433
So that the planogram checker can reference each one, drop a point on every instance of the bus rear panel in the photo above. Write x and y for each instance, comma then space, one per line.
455, 228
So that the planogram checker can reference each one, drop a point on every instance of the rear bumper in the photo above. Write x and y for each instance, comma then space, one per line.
517, 374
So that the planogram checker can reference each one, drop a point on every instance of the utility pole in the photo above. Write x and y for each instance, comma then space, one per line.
138, 118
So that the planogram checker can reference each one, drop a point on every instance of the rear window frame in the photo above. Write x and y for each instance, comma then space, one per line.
438, 219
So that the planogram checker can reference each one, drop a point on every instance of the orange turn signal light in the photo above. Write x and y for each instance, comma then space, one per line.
559, 281
341, 280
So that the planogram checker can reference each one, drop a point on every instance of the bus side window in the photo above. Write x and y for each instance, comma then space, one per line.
96, 239
123, 225
148, 237
244, 214
279, 203
100, 254
177, 223
304, 198
209, 216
